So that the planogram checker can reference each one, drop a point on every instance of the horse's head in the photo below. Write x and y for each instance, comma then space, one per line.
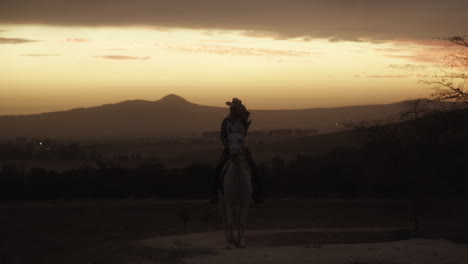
236, 144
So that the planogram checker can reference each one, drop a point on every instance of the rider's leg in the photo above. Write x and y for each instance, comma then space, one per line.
217, 177
256, 183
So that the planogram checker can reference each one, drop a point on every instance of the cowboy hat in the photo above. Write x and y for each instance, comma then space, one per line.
235, 102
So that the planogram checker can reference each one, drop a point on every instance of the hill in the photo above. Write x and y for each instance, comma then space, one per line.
172, 115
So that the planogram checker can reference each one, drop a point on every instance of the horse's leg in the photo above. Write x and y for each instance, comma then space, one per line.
244, 209
222, 210
238, 224
229, 224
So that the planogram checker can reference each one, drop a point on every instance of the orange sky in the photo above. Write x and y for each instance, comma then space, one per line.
60, 62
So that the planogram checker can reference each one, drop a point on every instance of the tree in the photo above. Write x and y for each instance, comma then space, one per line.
414, 110
451, 84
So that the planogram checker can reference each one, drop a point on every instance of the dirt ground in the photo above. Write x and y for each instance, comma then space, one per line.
110, 231
311, 246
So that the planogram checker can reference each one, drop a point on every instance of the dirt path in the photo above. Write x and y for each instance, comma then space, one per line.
303, 246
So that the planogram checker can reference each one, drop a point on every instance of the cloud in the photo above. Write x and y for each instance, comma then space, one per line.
79, 40
382, 76
337, 20
121, 57
407, 67
262, 34
340, 39
233, 50
422, 75
416, 52
39, 55
387, 76
423, 58
433, 42
389, 50
16, 40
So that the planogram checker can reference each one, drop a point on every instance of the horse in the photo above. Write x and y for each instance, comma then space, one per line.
235, 201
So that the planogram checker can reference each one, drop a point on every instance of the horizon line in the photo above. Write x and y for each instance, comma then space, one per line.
190, 102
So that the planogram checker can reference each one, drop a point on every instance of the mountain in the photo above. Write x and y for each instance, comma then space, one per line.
172, 115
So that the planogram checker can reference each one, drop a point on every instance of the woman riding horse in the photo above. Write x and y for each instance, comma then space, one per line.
238, 114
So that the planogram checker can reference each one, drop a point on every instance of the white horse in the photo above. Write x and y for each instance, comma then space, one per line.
234, 204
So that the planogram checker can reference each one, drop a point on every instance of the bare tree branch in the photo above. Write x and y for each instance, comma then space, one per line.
452, 83
461, 40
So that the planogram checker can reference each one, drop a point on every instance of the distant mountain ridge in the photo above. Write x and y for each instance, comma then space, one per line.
173, 115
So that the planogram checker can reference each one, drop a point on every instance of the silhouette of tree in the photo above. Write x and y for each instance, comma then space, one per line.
451, 84
415, 109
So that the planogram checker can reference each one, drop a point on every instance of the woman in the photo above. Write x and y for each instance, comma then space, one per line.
236, 121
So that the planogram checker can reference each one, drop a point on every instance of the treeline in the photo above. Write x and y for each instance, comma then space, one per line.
35, 148
344, 172
150, 179
273, 132
423, 154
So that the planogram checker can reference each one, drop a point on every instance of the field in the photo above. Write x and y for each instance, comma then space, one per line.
108, 231
172, 152
112, 231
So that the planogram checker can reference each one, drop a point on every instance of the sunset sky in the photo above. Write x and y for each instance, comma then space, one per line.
57, 55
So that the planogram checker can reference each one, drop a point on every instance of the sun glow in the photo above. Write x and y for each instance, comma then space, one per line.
65, 67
